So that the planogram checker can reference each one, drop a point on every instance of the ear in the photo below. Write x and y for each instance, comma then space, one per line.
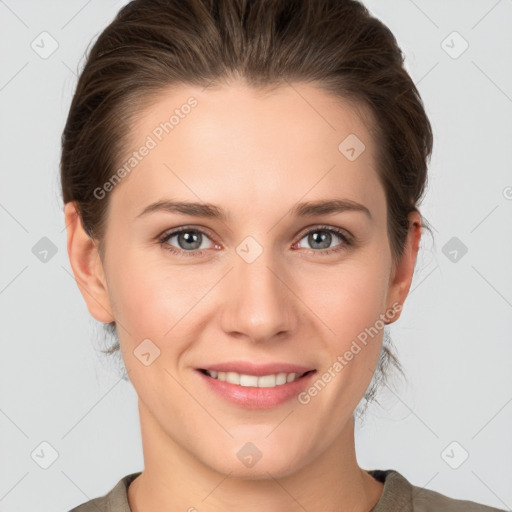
401, 276
87, 266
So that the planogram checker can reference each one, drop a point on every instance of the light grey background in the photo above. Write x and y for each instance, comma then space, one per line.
454, 336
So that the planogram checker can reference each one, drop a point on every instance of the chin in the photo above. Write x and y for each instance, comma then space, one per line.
248, 462
262, 470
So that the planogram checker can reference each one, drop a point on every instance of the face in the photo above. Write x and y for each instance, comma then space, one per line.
259, 283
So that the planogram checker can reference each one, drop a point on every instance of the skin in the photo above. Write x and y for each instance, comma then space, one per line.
255, 155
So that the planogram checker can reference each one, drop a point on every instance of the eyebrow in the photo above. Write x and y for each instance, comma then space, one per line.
306, 209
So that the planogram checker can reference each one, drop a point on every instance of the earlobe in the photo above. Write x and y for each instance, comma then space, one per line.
87, 266
401, 277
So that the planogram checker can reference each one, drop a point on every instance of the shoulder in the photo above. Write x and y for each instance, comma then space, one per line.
398, 491
115, 500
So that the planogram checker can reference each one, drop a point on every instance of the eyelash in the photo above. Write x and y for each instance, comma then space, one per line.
199, 252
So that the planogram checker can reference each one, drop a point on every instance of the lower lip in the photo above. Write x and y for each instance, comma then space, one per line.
257, 398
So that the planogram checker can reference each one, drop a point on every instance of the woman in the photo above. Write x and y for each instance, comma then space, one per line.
241, 183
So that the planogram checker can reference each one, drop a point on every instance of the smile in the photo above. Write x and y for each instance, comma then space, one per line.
263, 391
261, 381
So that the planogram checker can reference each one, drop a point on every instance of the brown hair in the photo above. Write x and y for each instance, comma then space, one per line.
152, 45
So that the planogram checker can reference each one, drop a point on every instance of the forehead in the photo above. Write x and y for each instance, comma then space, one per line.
283, 142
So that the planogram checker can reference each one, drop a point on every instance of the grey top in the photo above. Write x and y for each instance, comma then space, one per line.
398, 495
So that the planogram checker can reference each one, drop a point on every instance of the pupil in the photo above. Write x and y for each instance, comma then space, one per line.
325, 239
190, 239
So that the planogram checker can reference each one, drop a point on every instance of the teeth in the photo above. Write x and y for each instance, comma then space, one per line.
233, 378
281, 379
265, 381
248, 380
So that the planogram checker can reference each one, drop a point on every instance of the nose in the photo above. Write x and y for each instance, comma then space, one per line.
259, 303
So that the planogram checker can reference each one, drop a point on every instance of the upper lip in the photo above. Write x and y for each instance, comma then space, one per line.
248, 368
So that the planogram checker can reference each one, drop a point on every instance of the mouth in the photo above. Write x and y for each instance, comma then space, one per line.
257, 381
255, 386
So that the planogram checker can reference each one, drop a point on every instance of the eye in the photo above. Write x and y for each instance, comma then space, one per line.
189, 241
321, 238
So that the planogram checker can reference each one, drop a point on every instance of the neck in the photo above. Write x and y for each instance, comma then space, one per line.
174, 479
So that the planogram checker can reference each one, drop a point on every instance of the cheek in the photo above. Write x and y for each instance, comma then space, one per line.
139, 290
152, 305
351, 305
156, 300
349, 297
